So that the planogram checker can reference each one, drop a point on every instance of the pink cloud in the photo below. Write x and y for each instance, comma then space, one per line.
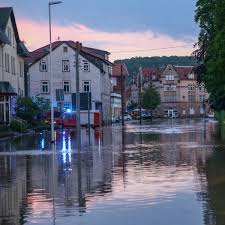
35, 35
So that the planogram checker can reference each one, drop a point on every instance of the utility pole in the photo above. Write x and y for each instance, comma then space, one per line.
89, 119
122, 93
139, 94
50, 4
78, 49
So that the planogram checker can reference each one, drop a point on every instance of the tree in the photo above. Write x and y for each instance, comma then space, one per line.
151, 99
131, 106
29, 109
211, 52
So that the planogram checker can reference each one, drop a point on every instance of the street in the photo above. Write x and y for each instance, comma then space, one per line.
167, 172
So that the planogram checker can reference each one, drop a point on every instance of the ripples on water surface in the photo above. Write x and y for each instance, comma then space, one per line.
172, 173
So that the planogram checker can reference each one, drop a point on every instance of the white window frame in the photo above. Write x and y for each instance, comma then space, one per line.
13, 65
67, 86
170, 77
85, 84
191, 76
65, 65
43, 66
86, 66
21, 69
7, 66
191, 87
45, 83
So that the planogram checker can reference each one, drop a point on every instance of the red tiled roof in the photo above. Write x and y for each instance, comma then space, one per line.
183, 71
116, 70
43, 51
148, 72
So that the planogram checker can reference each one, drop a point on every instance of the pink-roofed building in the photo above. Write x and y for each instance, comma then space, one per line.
181, 95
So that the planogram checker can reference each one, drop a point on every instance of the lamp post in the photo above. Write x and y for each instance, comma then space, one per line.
50, 68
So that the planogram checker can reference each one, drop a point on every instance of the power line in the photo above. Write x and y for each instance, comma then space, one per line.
154, 49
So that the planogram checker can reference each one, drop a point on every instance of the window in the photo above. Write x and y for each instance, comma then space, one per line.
114, 81
67, 106
201, 87
13, 65
192, 111
66, 86
21, 69
45, 86
65, 65
191, 76
170, 88
191, 98
202, 98
43, 66
65, 49
169, 77
172, 98
86, 66
86, 86
14, 42
191, 87
7, 63
9, 34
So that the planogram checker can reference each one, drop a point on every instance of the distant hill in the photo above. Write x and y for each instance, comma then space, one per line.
134, 63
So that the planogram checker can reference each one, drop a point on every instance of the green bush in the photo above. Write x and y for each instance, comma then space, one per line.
4, 128
18, 126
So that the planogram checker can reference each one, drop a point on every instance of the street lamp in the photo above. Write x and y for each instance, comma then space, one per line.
50, 66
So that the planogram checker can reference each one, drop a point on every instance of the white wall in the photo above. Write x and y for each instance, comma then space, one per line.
16, 80
100, 83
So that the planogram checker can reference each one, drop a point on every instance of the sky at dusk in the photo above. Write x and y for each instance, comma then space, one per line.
117, 26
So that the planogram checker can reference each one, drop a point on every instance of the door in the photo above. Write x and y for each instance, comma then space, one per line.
2, 117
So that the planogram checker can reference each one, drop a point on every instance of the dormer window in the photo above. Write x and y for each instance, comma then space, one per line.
191, 76
43, 66
170, 77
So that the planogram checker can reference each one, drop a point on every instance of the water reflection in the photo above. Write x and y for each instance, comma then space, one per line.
126, 176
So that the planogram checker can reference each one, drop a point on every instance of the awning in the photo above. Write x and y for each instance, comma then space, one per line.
6, 89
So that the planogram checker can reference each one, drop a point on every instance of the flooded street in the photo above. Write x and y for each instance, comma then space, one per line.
168, 172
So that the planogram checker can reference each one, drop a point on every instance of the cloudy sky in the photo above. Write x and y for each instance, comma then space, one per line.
119, 26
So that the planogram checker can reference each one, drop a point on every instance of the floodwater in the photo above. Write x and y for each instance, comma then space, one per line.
165, 173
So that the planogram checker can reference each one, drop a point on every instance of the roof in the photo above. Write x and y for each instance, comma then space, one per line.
95, 56
116, 70
149, 72
183, 71
6, 88
5, 14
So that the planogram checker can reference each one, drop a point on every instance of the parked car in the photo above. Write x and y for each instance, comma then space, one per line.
127, 117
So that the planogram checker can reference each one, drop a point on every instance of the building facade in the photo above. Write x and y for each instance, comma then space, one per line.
180, 93
119, 75
12, 53
94, 71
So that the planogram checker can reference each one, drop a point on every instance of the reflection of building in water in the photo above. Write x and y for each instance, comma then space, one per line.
13, 189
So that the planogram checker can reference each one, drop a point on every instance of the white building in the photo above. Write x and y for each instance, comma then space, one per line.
95, 73
116, 105
12, 52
